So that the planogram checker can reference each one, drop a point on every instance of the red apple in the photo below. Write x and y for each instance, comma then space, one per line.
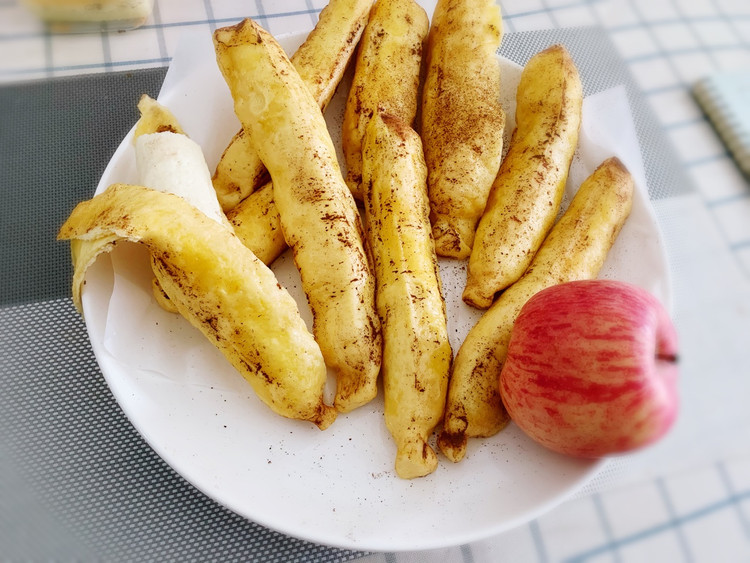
591, 368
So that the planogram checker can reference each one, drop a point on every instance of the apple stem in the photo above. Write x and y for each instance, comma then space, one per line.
671, 358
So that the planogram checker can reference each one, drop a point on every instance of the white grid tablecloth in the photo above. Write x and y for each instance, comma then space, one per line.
688, 498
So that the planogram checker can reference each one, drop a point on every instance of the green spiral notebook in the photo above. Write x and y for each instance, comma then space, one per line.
725, 98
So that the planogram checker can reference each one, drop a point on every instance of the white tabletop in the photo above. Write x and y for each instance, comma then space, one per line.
688, 497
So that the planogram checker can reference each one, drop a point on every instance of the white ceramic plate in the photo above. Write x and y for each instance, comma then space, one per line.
335, 487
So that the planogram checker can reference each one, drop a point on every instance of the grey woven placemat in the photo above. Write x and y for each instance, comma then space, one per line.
93, 488
76, 480
56, 138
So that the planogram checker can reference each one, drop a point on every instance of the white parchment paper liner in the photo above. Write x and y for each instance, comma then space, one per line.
195, 91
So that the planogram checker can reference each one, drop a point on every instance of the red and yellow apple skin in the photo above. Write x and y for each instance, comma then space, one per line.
592, 369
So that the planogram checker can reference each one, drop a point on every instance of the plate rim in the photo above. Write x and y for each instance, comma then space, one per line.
440, 541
